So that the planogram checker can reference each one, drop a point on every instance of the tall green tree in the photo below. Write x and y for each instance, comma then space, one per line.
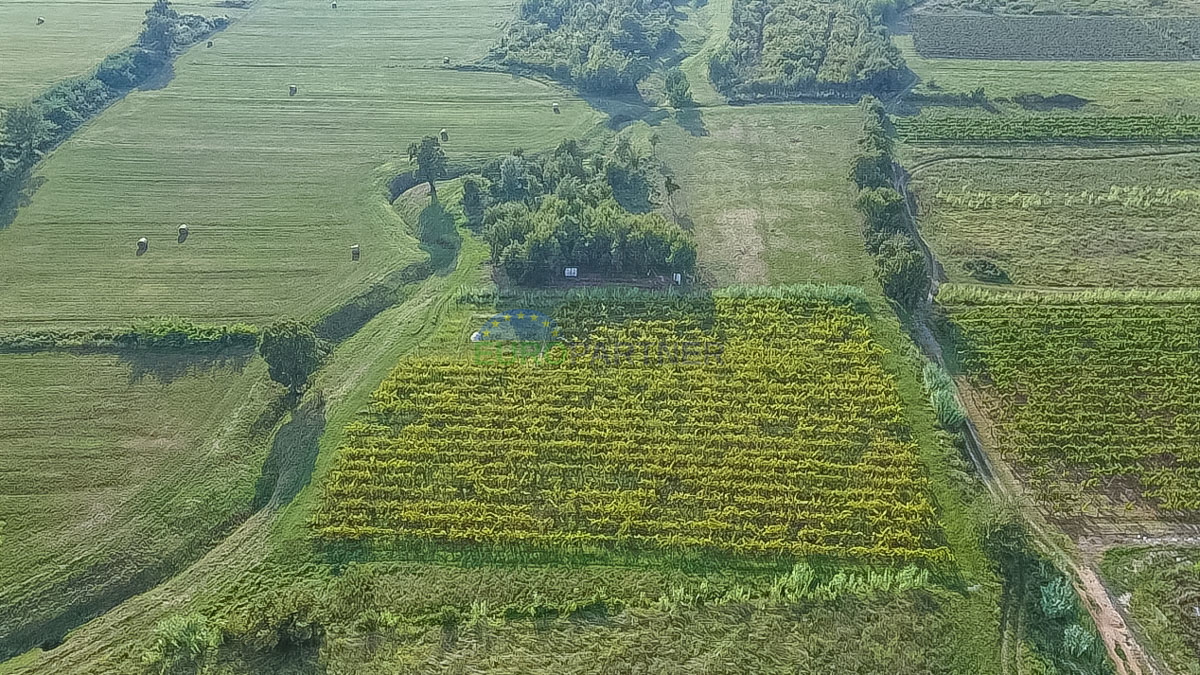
26, 129
679, 91
292, 352
474, 199
430, 159
158, 35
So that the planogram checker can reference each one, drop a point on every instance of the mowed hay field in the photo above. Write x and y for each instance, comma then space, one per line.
274, 188
1066, 222
1116, 87
766, 189
76, 37
114, 465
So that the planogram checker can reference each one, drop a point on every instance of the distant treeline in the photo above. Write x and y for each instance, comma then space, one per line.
564, 209
33, 128
601, 46
783, 49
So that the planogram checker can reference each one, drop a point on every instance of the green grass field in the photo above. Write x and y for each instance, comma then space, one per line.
115, 466
1142, 87
76, 37
275, 189
1066, 222
767, 192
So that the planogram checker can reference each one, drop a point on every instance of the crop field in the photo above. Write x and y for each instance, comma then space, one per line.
1168, 8
1066, 222
780, 435
765, 189
1055, 37
1114, 87
1163, 587
952, 127
274, 188
1095, 391
112, 464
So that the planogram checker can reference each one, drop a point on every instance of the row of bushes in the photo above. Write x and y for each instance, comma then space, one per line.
899, 265
153, 334
31, 129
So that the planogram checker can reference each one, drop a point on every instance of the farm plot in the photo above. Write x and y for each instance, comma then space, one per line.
1064, 222
1096, 396
1070, 7
1055, 37
780, 435
114, 466
1113, 87
1162, 587
275, 188
938, 126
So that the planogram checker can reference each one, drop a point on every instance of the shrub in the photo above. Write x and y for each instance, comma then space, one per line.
182, 644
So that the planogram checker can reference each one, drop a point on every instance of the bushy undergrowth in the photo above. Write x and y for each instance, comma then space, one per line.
168, 333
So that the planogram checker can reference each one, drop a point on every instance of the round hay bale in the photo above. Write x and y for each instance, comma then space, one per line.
142, 245
334, 4
445, 135
555, 107
41, 20
210, 43
446, 60
183, 233
292, 89
354, 252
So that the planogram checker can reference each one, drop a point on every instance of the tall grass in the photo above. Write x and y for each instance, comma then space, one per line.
959, 294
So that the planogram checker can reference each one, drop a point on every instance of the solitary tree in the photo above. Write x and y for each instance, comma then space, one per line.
430, 159
672, 187
292, 352
679, 92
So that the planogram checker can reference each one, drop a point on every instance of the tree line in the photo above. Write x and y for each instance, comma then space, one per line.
601, 46
570, 208
30, 129
899, 265
780, 49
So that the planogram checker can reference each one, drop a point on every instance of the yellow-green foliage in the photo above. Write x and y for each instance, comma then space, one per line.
792, 442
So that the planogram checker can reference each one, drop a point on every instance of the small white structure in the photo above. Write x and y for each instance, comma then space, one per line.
571, 272
678, 278
354, 253
183, 233
334, 4
445, 135
142, 245
292, 89
555, 106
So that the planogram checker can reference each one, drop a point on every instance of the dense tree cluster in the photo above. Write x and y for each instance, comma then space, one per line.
899, 266
564, 209
602, 46
779, 49
34, 127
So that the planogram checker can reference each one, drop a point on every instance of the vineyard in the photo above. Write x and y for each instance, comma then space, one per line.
730, 425
1102, 393
1056, 38
953, 127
